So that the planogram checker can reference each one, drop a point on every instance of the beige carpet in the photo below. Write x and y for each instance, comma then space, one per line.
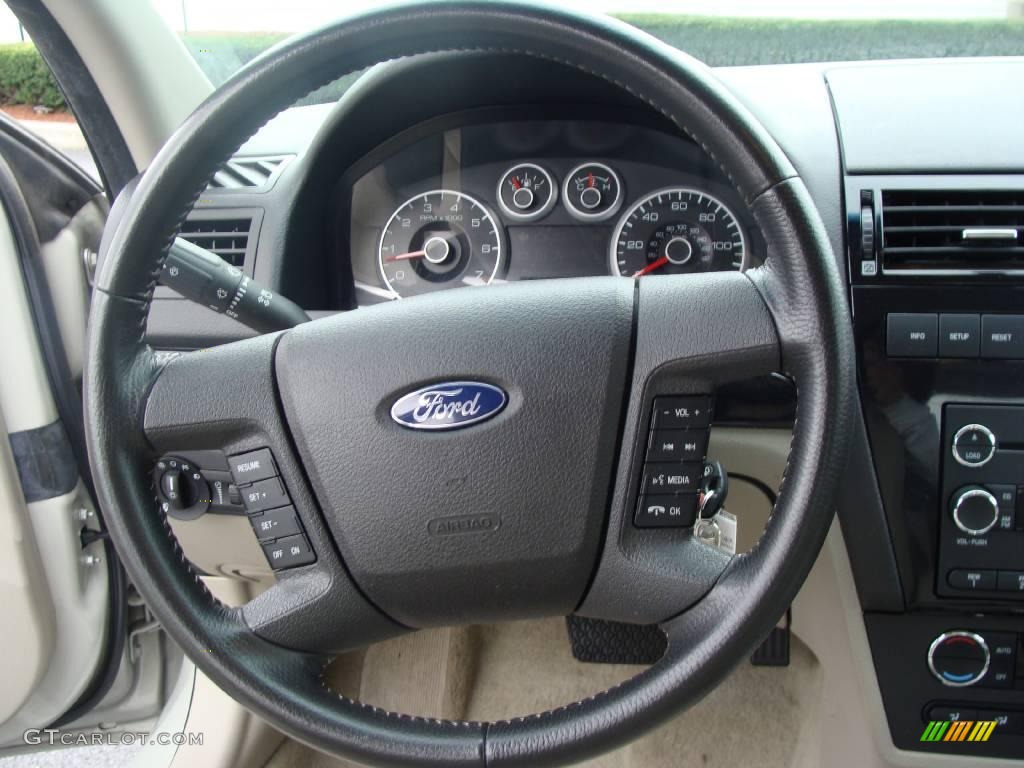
755, 718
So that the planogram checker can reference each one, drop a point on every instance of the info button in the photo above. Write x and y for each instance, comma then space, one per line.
912, 335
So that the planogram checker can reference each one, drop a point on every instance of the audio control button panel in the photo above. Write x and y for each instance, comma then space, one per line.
981, 525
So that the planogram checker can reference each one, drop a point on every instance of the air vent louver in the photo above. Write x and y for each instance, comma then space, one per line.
248, 174
960, 230
228, 238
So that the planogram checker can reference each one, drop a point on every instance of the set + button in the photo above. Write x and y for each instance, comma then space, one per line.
271, 514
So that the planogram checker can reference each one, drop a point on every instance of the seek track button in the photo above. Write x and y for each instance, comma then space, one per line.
677, 445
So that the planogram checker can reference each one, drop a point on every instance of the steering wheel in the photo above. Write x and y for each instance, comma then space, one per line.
552, 479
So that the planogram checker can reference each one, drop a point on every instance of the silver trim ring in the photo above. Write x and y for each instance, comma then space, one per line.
968, 428
487, 215
610, 211
973, 493
532, 215
958, 633
613, 248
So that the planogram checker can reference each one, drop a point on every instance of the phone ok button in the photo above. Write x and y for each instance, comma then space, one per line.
666, 511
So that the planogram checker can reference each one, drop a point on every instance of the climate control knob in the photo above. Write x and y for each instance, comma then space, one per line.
958, 658
975, 510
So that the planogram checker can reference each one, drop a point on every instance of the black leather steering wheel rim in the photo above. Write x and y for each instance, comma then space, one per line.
800, 286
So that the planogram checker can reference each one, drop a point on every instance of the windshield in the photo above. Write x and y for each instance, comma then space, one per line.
223, 35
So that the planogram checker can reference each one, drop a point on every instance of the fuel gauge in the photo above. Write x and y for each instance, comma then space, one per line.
526, 192
593, 192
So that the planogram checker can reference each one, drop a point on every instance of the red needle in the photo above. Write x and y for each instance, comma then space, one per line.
656, 264
407, 256
590, 179
515, 183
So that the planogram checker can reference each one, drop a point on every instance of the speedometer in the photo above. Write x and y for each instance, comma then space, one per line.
677, 230
439, 239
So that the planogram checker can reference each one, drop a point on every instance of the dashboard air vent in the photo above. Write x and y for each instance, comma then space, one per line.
248, 174
228, 238
959, 230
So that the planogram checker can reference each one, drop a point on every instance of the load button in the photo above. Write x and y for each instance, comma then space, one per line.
974, 445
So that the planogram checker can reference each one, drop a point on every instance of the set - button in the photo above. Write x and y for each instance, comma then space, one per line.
674, 462
271, 514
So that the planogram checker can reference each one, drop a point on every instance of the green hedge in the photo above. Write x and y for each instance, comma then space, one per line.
25, 79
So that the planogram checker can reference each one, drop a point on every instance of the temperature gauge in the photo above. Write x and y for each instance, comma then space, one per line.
526, 192
593, 192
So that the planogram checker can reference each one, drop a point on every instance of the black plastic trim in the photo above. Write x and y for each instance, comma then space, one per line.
46, 464
109, 149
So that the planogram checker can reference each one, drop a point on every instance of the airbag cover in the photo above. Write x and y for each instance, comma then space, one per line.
499, 518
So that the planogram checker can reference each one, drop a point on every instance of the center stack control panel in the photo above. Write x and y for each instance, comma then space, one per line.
981, 539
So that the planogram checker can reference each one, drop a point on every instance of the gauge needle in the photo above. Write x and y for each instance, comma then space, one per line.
656, 264
407, 256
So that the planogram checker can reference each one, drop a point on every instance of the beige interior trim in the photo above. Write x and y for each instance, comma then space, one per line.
29, 616
65, 277
147, 77
57, 605
25, 399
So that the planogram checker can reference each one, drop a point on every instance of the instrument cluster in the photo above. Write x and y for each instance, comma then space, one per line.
476, 205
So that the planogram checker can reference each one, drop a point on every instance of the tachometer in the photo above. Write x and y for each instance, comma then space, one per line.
439, 239
677, 230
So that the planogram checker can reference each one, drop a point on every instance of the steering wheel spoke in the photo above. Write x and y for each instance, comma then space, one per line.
693, 334
224, 399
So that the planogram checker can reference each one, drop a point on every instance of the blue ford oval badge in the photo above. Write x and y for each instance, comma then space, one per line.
449, 405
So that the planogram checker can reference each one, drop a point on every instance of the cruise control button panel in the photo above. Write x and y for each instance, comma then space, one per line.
271, 514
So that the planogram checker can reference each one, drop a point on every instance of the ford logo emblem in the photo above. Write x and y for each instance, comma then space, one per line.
449, 405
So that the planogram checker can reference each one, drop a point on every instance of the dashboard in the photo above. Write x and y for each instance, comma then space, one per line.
479, 204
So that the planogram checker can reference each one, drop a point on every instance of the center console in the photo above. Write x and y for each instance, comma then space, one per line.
936, 268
